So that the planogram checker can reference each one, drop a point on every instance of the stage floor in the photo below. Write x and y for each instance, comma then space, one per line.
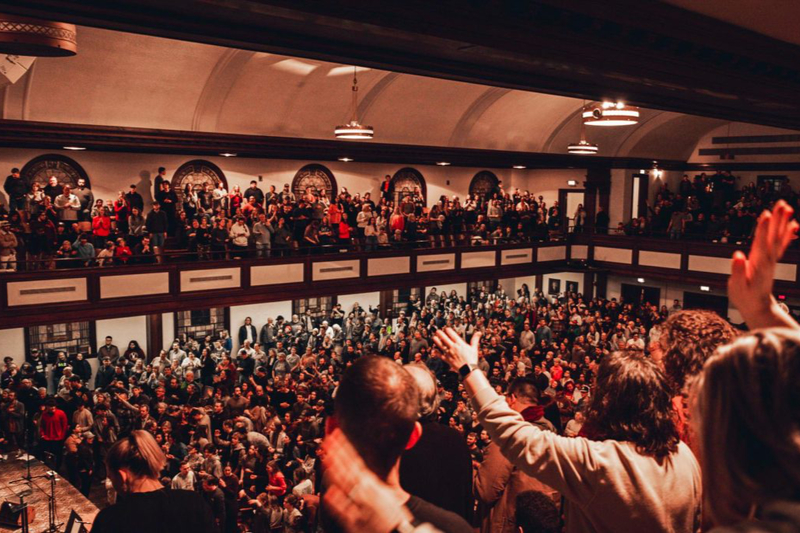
67, 496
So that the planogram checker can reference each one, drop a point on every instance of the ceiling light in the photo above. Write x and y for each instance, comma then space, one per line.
227, 154
640, 280
610, 114
345, 159
443, 163
582, 147
705, 288
518, 166
354, 129
76, 148
572, 183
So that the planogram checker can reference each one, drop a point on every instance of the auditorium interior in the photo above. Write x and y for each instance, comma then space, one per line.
262, 193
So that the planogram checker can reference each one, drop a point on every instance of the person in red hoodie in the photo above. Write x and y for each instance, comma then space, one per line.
101, 227
53, 430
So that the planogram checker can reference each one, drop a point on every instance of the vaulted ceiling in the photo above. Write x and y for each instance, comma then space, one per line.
124, 79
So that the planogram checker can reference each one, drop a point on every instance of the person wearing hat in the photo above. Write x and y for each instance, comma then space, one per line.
134, 199
8, 247
15, 188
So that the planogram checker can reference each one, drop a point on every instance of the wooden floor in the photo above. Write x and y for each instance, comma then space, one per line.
67, 496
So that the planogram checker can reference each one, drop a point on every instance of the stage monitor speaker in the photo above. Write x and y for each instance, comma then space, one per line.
11, 514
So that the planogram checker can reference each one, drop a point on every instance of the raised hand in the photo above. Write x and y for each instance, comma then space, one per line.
455, 350
752, 276
356, 498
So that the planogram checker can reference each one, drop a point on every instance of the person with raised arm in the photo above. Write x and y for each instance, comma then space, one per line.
633, 475
746, 402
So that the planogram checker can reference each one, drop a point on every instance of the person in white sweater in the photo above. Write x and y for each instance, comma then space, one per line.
633, 475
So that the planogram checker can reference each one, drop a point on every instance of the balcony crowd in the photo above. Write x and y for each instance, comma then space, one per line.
59, 227
509, 411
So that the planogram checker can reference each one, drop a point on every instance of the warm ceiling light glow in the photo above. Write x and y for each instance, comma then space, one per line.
74, 148
443, 163
582, 147
705, 288
519, 166
640, 280
572, 183
354, 129
610, 114
345, 159
227, 154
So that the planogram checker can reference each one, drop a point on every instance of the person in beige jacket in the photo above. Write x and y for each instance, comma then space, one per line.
497, 481
635, 475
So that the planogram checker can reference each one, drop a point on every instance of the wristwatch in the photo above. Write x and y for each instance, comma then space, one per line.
466, 370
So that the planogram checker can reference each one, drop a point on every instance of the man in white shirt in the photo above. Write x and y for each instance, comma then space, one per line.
184, 479
68, 205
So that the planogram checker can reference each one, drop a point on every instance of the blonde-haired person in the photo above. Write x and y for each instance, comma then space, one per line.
134, 465
746, 401
746, 413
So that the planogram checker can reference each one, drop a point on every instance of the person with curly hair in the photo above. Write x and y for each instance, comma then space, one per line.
688, 338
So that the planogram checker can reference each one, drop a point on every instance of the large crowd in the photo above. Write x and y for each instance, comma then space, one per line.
245, 426
59, 227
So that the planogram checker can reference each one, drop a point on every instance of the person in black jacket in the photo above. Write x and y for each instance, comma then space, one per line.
248, 332
157, 224
86, 462
105, 374
134, 199
438, 468
134, 465
16, 188
216, 500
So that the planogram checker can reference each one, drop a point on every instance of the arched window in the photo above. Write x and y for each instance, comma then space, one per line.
484, 184
197, 173
406, 182
65, 169
316, 177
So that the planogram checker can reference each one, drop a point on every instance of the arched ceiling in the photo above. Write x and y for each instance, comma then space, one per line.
120, 79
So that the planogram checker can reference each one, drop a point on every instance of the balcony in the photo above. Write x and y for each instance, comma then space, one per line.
116, 291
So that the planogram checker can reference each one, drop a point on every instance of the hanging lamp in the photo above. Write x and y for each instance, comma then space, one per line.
610, 114
353, 129
582, 147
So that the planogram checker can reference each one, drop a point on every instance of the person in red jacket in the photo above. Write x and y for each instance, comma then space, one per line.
53, 430
101, 227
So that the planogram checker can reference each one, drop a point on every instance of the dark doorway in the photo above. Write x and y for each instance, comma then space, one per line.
637, 294
696, 300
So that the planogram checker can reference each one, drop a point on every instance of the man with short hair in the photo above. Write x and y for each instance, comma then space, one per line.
134, 199
377, 408
86, 199
53, 427
184, 479
497, 481
157, 224
68, 206
109, 350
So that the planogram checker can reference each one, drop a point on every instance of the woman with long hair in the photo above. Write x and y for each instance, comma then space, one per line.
134, 467
634, 474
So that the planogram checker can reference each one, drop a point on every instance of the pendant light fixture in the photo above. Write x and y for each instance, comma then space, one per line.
582, 147
610, 114
353, 129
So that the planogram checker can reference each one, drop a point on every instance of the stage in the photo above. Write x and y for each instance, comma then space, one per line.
67, 496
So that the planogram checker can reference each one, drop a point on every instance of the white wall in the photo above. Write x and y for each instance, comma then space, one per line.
122, 331
564, 277
12, 344
259, 313
167, 331
460, 288
364, 299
